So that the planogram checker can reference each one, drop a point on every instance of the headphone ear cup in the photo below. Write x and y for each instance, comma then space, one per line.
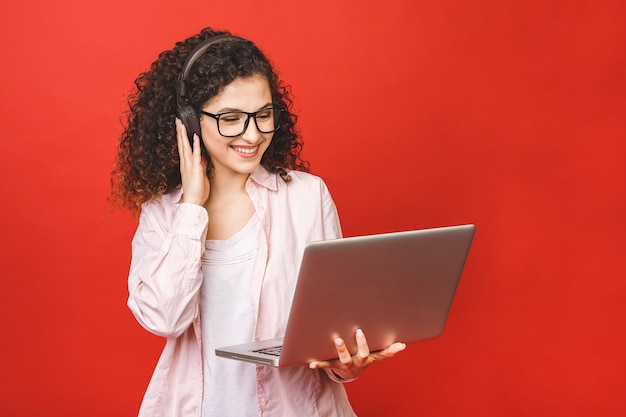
190, 119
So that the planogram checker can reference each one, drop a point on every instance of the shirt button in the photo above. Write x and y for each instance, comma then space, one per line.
261, 208
263, 401
194, 258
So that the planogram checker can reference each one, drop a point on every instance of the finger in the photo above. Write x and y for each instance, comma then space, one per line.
319, 364
184, 148
363, 350
335, 363
389, 351
197, 153
395, 348
342, 351
183, 141
179, 142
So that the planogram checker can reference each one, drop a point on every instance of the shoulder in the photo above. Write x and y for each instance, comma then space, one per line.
299, 177
165, 200
306, 185
305, 179
301, 182
162, 206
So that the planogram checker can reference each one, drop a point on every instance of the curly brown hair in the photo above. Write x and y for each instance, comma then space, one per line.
147, 161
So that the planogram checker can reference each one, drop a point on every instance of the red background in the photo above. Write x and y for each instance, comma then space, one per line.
506, 114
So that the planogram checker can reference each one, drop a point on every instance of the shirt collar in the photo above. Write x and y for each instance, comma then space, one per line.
263, 177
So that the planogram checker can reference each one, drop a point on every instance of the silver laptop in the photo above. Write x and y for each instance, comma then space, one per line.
397, 287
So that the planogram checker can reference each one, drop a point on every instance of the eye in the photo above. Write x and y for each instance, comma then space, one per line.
264, 114
232, 117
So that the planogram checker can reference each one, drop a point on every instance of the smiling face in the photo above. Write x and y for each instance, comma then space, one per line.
241, 155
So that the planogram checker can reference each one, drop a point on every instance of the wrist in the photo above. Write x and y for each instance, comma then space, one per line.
338, 378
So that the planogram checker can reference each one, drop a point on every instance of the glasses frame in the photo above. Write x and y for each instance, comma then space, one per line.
278, 113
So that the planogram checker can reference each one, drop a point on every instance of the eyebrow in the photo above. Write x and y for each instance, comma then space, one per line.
234, 110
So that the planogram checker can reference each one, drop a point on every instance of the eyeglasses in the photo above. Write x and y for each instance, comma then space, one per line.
233, 124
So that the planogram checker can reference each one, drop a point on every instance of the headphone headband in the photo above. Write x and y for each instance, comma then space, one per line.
195, 54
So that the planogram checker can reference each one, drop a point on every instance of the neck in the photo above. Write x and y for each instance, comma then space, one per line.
227, 185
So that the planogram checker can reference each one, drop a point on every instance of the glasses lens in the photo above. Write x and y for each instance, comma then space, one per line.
265, 120
232, 124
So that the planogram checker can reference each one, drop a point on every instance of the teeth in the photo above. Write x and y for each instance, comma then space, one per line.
246, 150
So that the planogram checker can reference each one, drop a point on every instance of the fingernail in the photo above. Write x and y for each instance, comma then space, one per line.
359, 333
338, 342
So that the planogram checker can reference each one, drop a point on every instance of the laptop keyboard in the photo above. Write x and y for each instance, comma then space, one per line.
274, 350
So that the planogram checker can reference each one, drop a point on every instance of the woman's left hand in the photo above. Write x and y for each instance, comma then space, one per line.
350, 367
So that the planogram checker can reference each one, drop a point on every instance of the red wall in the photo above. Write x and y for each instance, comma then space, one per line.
507, 114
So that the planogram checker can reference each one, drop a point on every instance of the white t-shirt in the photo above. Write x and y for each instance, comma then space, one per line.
227, 315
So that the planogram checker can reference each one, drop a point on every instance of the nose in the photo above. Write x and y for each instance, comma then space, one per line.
251, 132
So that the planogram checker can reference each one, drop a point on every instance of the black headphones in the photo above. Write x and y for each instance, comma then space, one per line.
187, 114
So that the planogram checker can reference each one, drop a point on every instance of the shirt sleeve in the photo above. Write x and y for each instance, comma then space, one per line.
165, 273
330, 216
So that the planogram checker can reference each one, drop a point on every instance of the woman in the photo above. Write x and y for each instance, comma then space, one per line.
226, 208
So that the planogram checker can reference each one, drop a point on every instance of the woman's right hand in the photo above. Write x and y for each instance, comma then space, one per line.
193, 167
